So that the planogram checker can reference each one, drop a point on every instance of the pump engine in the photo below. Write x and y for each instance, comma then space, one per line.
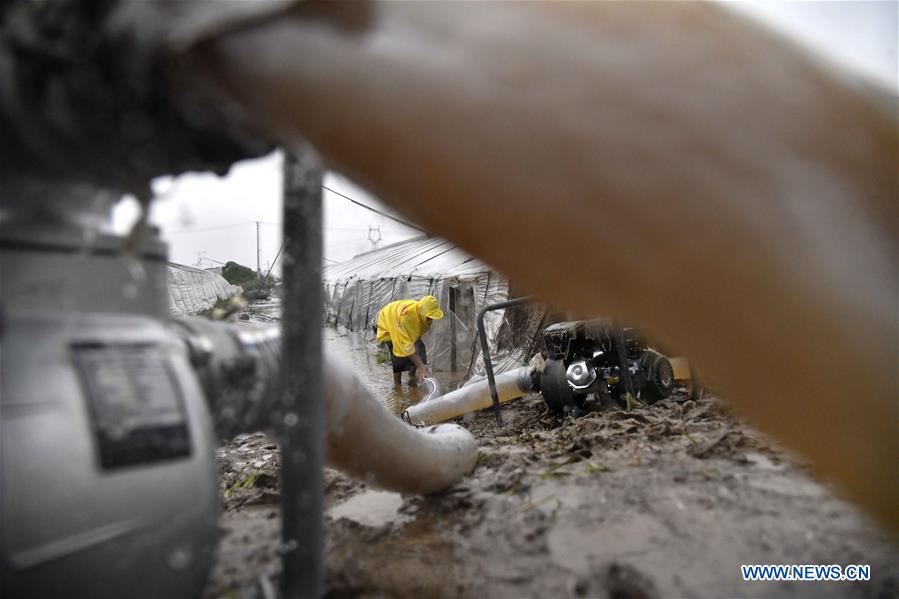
599, 358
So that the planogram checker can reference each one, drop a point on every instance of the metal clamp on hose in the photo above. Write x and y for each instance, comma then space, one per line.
239, 368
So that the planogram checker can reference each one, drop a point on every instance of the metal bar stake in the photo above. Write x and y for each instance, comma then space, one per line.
302, 410
485, 350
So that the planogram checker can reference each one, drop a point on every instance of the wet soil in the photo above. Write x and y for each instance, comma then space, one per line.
661, 501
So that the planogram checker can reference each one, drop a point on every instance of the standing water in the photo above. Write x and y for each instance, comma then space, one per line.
361, 353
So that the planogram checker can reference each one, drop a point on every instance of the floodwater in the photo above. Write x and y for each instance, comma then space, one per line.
268, 310
361, 353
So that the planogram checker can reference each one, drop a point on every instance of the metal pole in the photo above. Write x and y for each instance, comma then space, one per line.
302, 426
452, 308
485, 349
624, 373
258, 252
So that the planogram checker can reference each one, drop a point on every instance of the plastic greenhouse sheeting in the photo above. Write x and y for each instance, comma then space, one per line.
192, 290
356, 290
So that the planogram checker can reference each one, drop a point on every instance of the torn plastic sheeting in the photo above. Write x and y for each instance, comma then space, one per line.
345, 305
387, 261
192, 290
413, 287
517, 335
359, 316
495, 290
359, 288
453, 336
334, 305
438, 340
429, 258
347, 301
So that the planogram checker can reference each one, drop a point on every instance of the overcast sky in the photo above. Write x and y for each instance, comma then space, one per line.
207, 219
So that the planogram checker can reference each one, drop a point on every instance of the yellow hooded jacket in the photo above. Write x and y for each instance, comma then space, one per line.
403, 322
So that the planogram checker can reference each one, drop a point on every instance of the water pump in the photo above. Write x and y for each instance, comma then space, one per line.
105, 431
601, 358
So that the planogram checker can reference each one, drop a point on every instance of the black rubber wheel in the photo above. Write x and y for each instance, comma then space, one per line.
557, 394
659, 377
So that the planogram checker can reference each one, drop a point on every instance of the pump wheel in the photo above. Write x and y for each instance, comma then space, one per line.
659, 381
557, 394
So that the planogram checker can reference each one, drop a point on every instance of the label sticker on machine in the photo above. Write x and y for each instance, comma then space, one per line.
135, 403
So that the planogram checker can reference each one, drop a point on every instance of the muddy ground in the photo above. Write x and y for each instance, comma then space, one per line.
663, 501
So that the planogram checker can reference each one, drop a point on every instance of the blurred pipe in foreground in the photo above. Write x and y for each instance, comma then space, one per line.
303, 411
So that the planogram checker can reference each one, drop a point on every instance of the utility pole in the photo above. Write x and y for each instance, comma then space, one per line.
199, 263
258, 252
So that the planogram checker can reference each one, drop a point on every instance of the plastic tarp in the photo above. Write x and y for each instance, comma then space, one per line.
192, 290
356, 290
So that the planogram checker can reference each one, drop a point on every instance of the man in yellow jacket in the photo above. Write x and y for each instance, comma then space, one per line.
401, 325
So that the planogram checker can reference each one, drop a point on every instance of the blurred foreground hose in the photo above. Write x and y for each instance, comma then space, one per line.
239, 367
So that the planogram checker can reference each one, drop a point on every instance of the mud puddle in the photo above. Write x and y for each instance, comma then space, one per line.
371, 508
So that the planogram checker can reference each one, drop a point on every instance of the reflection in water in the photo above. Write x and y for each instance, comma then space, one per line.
371, 508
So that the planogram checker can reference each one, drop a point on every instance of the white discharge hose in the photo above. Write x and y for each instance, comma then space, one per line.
434, 389
365, 440
509, 385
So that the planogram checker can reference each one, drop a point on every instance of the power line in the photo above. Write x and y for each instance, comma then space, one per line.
330, 228
360, 229
402, 222
213, 228
269, 224
214, 260
278, 255
275, 261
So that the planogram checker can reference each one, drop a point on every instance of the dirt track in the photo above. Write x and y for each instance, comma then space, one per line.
668, 500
